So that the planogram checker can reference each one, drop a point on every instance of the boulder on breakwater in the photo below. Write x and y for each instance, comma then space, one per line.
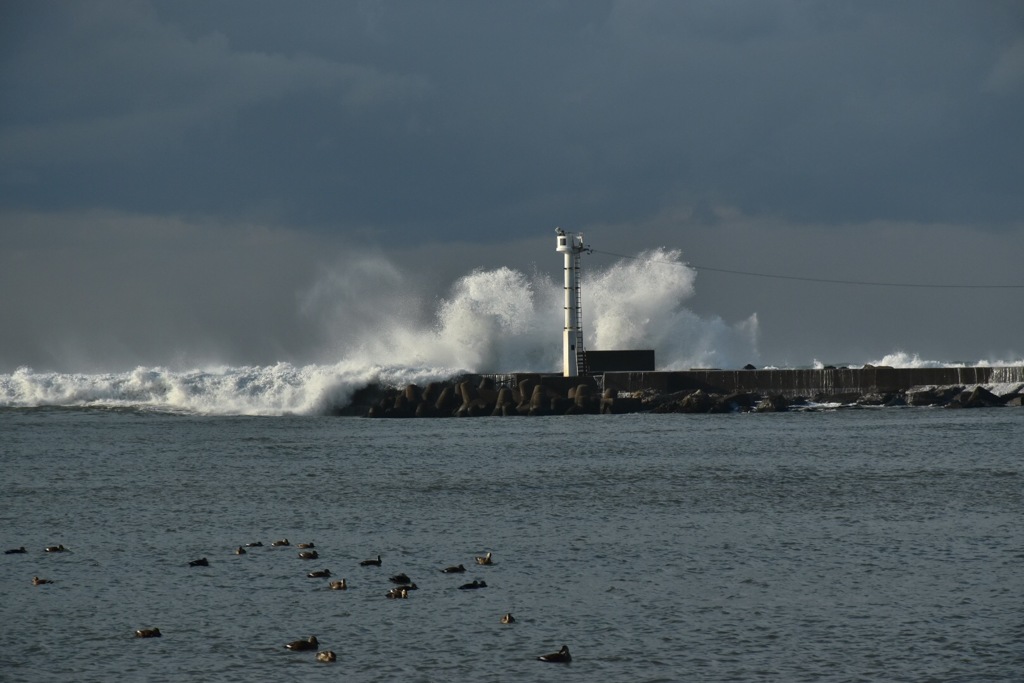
699, 401
478, 396
536, 394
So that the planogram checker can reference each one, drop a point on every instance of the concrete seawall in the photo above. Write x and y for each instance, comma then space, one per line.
832, 382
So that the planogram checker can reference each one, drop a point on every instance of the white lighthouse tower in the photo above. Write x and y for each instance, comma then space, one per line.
573, 354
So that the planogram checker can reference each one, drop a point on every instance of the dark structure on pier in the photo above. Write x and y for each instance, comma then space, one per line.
838, 383
600, 362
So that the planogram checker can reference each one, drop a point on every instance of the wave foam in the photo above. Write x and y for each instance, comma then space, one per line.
902, 359
505, 321
280, 389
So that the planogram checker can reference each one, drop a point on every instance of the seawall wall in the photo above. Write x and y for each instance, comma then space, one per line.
836, 382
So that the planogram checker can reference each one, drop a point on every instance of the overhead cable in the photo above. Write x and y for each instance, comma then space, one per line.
861, 283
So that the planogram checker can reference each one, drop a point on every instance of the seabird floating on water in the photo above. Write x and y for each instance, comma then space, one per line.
310, 643
562, 656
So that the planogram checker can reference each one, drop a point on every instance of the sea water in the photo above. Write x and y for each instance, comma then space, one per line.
850, 545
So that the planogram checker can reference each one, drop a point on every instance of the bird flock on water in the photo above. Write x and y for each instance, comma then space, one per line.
402, 586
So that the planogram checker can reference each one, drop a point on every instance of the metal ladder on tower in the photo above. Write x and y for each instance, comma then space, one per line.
581, 354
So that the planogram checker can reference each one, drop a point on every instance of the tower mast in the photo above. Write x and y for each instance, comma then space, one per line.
573, 353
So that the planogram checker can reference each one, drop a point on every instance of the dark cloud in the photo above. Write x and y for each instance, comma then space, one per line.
435, 116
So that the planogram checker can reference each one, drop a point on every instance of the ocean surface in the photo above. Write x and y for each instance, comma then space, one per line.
847, 545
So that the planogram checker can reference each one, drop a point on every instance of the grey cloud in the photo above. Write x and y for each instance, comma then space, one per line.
437, 118
1007, 74
95, 78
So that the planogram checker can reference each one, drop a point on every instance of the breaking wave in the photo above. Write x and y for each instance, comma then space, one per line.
902, 359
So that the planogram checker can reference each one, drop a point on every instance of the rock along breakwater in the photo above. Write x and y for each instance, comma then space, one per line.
693, 391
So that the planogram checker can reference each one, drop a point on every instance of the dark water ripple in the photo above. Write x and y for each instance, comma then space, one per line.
858, 546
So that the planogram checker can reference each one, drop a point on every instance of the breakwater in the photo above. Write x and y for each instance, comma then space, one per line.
837, 383
701, 391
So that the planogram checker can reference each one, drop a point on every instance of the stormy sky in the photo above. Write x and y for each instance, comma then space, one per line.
179, 179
